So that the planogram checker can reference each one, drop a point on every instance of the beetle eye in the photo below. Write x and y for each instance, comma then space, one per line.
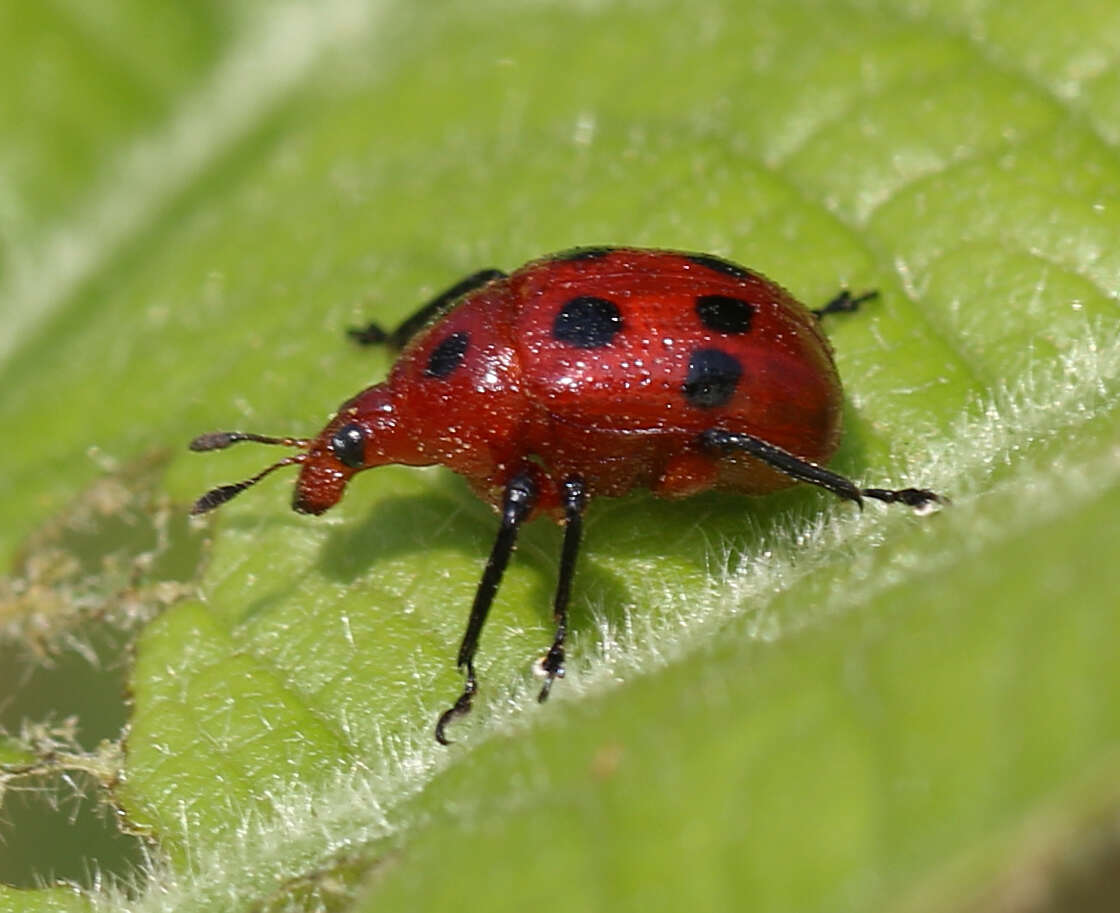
348, 445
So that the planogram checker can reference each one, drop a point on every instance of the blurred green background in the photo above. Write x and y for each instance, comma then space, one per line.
772, 704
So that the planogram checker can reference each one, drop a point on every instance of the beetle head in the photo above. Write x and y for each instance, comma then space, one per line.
348, 444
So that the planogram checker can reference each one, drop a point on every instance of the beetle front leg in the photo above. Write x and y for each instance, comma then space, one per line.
517, 504
373, 334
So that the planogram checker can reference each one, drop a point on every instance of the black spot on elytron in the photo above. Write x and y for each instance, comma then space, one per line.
348, 444
721, 266
583, 253
587, 322
447, 356
725, 314
712, 378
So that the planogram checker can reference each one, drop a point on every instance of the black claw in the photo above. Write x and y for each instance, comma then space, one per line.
460, 708
553, 666
444, 719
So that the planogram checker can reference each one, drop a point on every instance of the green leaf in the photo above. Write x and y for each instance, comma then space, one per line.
771, 704
14, 754
48, 900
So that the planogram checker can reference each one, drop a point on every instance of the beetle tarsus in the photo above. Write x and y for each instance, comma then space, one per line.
918, 498
460, 708
844, 303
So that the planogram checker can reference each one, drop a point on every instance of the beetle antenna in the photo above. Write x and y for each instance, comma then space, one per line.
218, 496
220, 440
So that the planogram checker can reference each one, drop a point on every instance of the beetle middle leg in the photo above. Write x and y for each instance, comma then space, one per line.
574, 499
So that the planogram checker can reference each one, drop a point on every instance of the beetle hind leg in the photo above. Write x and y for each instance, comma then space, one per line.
719, 441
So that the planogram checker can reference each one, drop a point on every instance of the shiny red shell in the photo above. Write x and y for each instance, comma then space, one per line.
534, 369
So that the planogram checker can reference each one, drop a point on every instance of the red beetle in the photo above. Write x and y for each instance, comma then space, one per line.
589, 373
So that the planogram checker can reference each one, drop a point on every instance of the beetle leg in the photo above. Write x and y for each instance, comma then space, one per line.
844, 303
374, 334
804, 471
517, 504
574, 495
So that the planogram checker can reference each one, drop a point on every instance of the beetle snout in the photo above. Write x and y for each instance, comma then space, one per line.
320, 485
